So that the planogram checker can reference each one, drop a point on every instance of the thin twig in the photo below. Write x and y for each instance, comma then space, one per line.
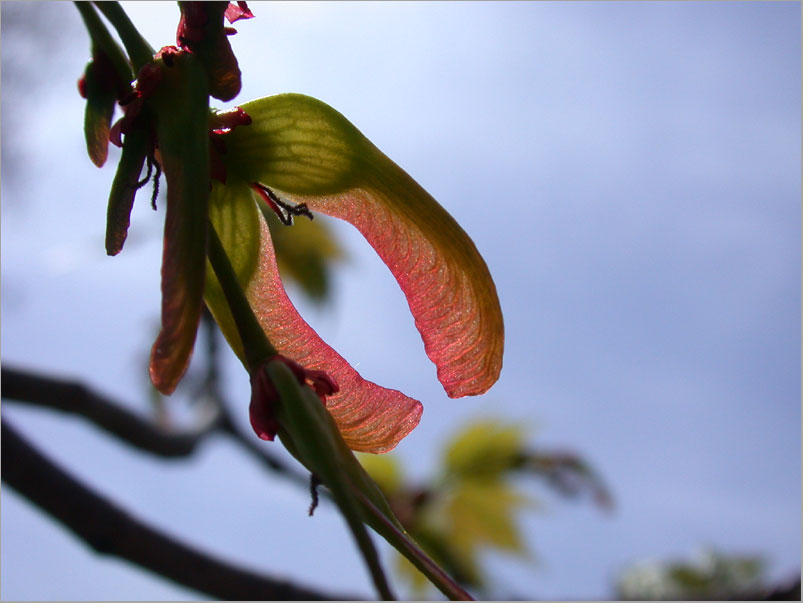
226, 424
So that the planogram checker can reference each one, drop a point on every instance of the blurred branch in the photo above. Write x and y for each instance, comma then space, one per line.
110, 530
76, 398
567, 473
783, 591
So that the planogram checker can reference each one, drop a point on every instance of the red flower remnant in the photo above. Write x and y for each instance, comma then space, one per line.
238, 10
191, 25
264, 397
220, 124
262, 410
195, 17
148, 79
168, 54
224, 122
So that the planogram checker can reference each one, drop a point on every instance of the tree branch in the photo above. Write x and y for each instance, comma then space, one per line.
110, 530
76, 398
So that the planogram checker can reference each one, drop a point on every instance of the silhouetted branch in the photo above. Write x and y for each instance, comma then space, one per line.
783, 591
77, 399
110, 530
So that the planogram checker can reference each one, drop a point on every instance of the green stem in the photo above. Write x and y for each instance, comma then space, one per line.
405, 545
309, 433
103, 40
137, 47
256, 345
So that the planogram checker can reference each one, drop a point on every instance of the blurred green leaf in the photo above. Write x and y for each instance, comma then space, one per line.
484, 514
688, 578
475, 505
385, 470
484, 450
710, 576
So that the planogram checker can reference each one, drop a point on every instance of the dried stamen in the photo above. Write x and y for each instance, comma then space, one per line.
314, 482
285, 211
151, 163
158, 173
147, 177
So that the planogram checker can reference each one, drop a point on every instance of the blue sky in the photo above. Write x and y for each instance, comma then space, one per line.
629, 171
